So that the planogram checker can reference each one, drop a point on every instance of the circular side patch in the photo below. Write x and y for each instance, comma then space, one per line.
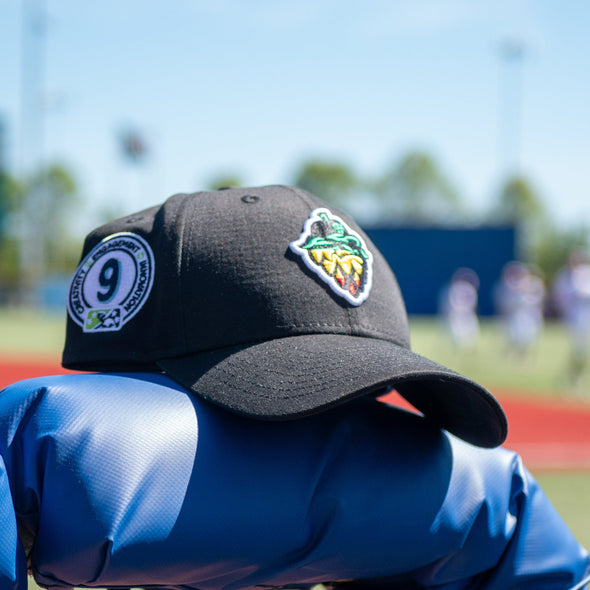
112, 283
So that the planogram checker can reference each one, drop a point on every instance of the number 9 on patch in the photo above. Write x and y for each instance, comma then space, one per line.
112, 283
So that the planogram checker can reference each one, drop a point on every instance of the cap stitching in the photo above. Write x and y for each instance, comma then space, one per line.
311, 325
173, 352
180, 263
236, 376
302, 195
234, 371
230, 379
352, 320
162, 355
362, 332
305, 198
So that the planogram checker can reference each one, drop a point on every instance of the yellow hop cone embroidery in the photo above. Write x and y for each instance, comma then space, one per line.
350, 262
318, 255
337, 254
329, 262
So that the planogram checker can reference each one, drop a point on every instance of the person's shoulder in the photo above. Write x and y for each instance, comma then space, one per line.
109, 401
82, 385
92, 379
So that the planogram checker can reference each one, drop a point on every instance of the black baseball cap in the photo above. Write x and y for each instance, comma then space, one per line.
265, 301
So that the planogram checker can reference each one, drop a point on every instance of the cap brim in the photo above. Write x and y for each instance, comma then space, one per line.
293, 377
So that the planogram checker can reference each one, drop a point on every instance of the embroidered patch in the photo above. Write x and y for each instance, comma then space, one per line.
337, 254
112, 283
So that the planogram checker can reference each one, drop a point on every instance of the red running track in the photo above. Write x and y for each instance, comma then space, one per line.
547, 433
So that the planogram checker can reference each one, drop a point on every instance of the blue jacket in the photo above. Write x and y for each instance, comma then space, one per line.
127, 480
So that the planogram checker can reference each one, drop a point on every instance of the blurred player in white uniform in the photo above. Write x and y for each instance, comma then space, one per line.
458, 307
520, 298
571, 292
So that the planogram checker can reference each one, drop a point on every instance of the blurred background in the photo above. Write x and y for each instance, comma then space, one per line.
452, 116
457, 133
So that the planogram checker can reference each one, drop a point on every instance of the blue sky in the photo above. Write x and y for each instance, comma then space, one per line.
255, 87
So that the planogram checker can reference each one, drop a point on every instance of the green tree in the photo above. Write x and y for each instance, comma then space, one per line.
553, 247
417, 191
225, 179
518, 202
10, 198
37, 235
54, 191
332, 181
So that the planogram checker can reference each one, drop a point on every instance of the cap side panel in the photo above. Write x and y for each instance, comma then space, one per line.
180, 221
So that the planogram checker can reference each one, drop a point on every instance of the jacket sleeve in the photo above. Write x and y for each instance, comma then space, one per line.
13, 569
512, 535
375, 492
128, 481
455, 517
542, 552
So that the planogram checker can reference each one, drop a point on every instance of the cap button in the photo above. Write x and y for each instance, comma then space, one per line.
250, 199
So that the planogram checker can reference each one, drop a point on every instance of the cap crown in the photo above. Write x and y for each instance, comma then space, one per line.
227, 271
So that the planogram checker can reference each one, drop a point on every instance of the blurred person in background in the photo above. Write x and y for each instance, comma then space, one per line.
571, 293
458, 308
519, 299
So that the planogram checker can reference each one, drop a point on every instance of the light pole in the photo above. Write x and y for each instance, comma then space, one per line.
32, 231
512, 54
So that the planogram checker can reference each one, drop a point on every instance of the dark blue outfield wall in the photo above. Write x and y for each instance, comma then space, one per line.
424, 260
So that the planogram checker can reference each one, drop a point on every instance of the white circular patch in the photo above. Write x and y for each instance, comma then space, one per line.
112, 283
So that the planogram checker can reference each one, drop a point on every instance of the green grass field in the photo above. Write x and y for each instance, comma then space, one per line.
31, 333
543, 372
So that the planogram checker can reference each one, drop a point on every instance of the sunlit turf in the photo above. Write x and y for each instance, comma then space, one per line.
492, 361
30, 333
569, 493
